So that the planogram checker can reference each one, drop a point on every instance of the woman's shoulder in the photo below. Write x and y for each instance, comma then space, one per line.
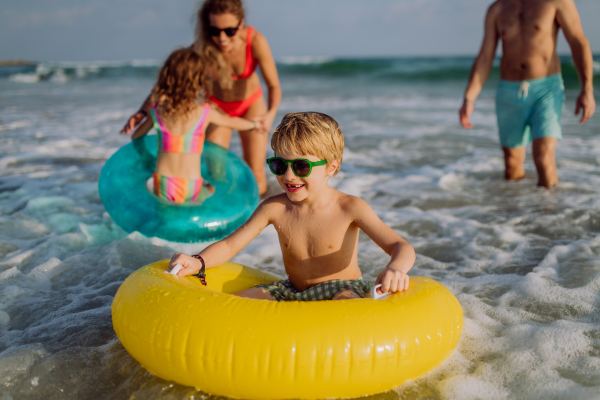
259, 41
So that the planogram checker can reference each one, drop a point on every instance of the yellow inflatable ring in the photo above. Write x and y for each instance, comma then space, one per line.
225, 345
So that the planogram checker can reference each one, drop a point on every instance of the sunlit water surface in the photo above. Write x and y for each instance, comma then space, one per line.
523, 262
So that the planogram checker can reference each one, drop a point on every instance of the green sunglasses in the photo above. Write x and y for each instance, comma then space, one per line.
300, 166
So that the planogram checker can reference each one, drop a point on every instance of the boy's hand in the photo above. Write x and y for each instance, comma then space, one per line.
190, 265
392, 280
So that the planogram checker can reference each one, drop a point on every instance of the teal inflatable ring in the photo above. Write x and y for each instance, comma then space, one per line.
123, 191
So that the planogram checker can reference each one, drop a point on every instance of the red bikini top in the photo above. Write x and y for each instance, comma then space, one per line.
251, 63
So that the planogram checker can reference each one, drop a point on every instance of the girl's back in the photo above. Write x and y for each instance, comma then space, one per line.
181, 140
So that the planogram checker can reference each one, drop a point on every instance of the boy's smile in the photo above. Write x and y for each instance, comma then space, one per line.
293, 188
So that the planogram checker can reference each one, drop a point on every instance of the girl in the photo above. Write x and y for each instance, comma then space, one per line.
181, 124
232, 52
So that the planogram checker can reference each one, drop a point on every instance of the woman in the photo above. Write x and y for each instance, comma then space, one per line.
232, 51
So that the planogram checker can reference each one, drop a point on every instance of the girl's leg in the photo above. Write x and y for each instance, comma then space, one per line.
254, 146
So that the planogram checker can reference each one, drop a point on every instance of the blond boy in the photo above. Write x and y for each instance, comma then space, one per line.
317, 225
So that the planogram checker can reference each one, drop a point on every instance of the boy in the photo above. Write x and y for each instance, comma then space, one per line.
317, 225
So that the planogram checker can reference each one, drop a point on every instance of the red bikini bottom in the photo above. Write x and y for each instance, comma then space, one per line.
237, 108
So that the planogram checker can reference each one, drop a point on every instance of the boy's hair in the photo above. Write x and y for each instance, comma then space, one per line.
310, 133
204, 43
179, 82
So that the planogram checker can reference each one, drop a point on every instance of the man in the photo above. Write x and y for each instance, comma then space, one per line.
531, 92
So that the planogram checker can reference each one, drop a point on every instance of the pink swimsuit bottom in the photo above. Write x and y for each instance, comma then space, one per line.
177, 190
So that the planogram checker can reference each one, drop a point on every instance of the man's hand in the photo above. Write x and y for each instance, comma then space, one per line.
190, 265
586, 104
392, 280
465, 113
132, 122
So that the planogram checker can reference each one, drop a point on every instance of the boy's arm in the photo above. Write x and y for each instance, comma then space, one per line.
222, 251
481, 68
393, 277
239, 124
142, 129
568, 19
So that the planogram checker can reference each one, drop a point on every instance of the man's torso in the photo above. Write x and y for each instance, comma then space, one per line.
528, 30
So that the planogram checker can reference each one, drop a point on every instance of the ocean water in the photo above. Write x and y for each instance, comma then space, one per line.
524, 262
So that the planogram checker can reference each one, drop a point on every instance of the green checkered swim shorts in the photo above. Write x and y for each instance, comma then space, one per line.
285, 291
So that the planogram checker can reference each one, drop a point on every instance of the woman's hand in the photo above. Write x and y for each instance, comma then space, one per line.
259, 124
190, 265
133, 121
267, 121
392, 280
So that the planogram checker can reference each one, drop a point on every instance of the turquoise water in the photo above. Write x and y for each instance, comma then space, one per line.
524, 262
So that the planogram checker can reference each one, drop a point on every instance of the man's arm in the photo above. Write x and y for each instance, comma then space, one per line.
393, 277
568, 19
480, 71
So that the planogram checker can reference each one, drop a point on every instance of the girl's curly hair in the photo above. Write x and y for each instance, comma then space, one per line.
180, 82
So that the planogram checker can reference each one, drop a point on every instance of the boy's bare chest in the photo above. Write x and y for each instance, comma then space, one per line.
528, 18
314, 234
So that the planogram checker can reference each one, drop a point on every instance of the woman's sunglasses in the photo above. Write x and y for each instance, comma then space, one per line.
214, 31
300, 166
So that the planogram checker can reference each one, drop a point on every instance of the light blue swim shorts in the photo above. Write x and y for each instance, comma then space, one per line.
529, 109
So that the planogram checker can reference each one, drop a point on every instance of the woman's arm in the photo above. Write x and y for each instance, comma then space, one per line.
393, 277
239, 124
223, 250
262, 52
142, 129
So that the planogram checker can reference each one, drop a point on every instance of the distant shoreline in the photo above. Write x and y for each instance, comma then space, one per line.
12, 63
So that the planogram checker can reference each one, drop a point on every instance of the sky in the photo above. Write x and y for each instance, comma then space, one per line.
91, 30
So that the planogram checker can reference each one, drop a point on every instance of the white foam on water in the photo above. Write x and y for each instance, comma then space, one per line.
25, 78
523, 262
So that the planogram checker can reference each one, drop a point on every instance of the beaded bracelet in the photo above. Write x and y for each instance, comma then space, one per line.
200, 274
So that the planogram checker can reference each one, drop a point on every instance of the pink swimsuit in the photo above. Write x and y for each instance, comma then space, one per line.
173, 188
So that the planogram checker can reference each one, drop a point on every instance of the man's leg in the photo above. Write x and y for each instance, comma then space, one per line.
544, 150
514, 157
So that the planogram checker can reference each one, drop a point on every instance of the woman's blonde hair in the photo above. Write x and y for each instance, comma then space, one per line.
180, 81
204, 43
310, 133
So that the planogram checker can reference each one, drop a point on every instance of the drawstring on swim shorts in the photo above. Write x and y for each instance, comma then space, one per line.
200, 274
523, 90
